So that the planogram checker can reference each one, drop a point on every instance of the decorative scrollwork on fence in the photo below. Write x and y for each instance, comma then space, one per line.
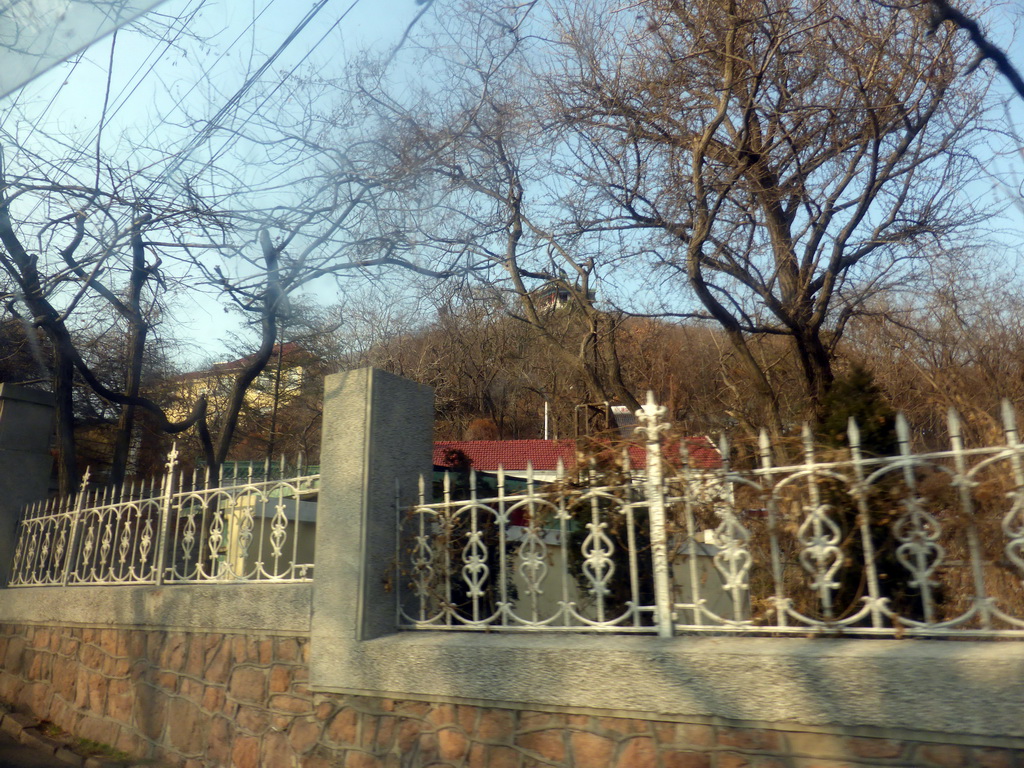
184, 528
839, 543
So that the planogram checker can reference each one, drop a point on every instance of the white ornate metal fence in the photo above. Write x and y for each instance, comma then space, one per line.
185, 527
914, 544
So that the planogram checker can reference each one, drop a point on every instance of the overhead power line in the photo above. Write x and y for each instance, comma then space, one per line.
214, 123
281, 81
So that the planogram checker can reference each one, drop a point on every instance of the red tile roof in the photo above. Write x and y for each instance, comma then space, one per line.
488, 455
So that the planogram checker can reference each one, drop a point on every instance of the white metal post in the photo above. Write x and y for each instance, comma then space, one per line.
650, 416
165, 514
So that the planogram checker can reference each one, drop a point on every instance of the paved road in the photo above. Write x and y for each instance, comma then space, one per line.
16, 755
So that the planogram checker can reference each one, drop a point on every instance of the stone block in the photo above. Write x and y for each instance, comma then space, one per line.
218, 750
248, 684
15, 722
255, 720
496, 725
676, 759
266, 650
732, 760
820, 745
119, 707
415, 708
362, 760
386, 728
367, 730
409, 731
14, 657
136, 645
245, 752
129, 742
62, 713
886, 748
10, 687
427, 746
166, 680
342, 729
240, 651
191, 689
69, 645
92, 657
219, 663
442, 714
97, 729
941, 756
154, 644
493, 756
985, 757
695, 735
304, 735
276, 752
591, 751
195, 659
623, 726
172, 656
287, 649
295, 705
749, 738
213, 698
36, 698
529, 720
638, 752
97, 693
280, 678
453, 745
108, 641
187, 727
41, 639
549, 744
467, 717
150, 711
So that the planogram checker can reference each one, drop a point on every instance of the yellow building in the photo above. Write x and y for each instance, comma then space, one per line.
280, 382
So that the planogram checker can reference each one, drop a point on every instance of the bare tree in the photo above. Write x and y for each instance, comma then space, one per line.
786, 160
67, 244
479, 161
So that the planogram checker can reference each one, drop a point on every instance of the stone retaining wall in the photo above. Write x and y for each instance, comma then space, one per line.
214, 699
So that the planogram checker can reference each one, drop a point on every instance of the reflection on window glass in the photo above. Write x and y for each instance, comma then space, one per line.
36, 34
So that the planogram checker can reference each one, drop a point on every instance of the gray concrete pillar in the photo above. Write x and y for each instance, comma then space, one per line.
377, 437
26, 428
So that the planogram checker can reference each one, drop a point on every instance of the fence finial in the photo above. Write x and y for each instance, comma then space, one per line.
765, 447
853, 432
650, 416
1009, 421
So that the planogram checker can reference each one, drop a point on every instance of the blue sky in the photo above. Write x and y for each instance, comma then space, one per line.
153, 86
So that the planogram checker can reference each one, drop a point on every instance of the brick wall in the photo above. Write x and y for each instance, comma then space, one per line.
209, 699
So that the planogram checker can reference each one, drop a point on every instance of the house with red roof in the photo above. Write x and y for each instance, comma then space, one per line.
514, 456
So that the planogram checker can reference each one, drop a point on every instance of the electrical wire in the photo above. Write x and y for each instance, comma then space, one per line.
214, 123
206, 72
85, 144
217, 155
